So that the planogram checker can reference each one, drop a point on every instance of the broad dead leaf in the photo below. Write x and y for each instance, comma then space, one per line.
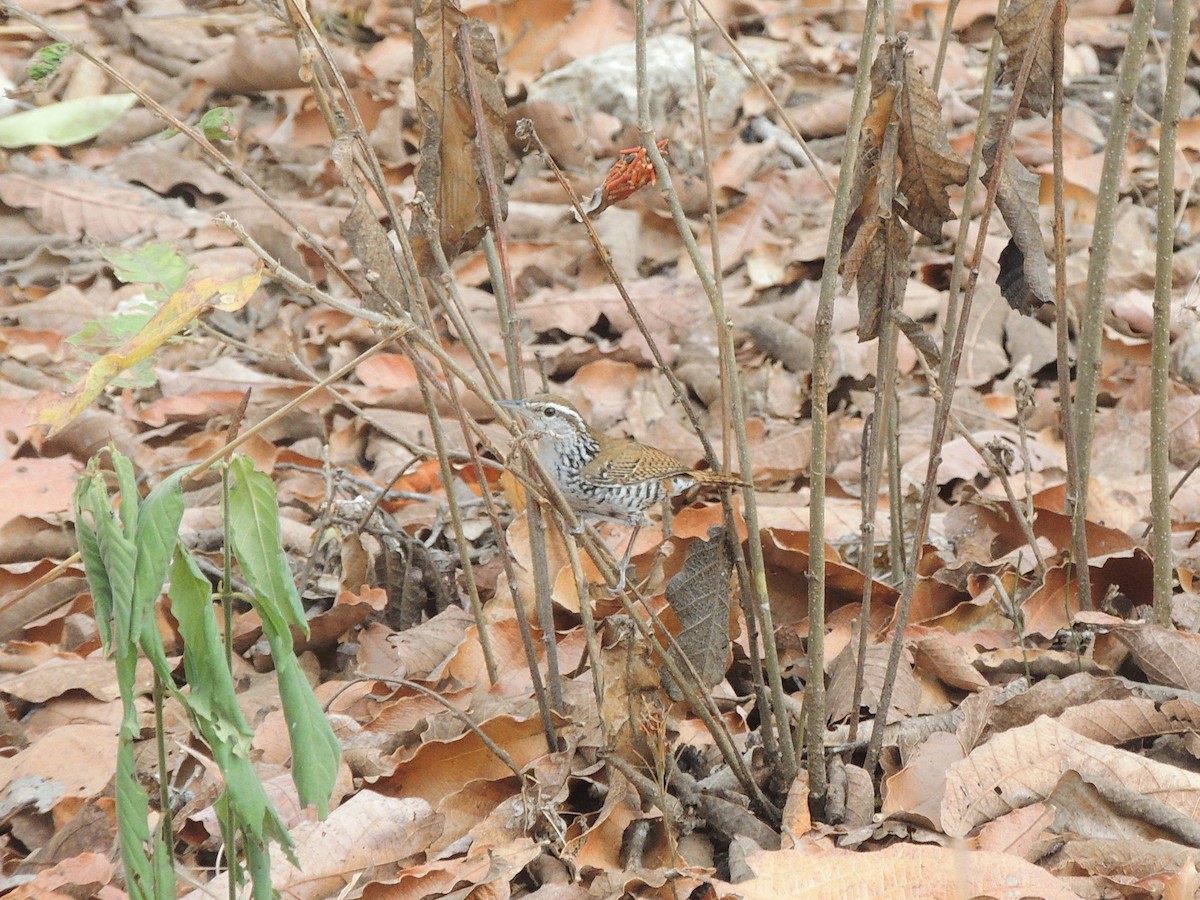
455, 56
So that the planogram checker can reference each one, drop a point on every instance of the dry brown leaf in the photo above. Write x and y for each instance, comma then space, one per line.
82, 875
454, 155
1167, 656
914, 870
928, 165
906, 692
1024, 277
55, 677
935, 654
1100, 808
1018, 27
918, 788
71, 761
1024, 765
699, 597
71, 201
1122, 721
440, 768
369, 834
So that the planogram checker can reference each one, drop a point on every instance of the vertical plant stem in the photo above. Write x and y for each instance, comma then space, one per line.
729, 384
945, 402
1062, 313
814, 695
880, 418
1092, 326
1160, 503
164, 775
787, 752
896, 552
496, 252
533, 510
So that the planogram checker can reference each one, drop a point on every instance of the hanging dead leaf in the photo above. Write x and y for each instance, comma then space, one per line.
1018, 27
699, 596
904, 168
454, 155
1024, 277
929, 165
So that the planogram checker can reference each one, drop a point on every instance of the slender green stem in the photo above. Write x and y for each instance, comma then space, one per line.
787, 762
1092, 327
814, 697
1160, 505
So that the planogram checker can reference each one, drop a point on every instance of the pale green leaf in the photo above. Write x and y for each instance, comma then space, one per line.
64, 123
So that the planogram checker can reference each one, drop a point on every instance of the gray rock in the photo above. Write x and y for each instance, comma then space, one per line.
606, 82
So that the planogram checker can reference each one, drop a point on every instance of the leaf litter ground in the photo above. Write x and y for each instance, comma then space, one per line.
1032, 746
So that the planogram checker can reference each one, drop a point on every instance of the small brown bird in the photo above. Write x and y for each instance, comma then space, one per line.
600, 475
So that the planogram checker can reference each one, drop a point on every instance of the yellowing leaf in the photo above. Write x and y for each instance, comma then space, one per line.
178, 312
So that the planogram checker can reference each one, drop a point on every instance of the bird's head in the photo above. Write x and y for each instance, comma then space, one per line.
547, 415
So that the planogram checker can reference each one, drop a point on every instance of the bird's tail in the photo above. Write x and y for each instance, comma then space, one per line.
720, 479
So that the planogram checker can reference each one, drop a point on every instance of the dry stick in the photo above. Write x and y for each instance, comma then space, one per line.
944, 43
885, 389
962, 242
868, 502
590, 640
462, 545
896, 550
814, 698
504, 293
539, 556
196, 136
1062, 312
1160, 505
942, 415
1092, 328
728, 385
788, 124
788, 766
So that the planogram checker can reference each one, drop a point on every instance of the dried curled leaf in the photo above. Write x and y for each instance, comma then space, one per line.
928, 164
453, 153
1024, 277
904, 169
1018, 27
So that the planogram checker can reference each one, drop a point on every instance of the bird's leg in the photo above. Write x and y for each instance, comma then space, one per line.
624, 564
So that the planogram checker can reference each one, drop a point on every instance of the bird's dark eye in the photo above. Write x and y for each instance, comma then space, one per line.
549, 412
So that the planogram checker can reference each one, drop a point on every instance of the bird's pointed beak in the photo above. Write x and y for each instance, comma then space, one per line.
518, 409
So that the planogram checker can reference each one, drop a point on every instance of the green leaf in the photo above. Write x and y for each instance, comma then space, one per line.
212, 697
119, 560
156, 535
45, 62
316, 753
64, 123
156, 263
254, 534
133, 829
127, 485
91, 501
217, 124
